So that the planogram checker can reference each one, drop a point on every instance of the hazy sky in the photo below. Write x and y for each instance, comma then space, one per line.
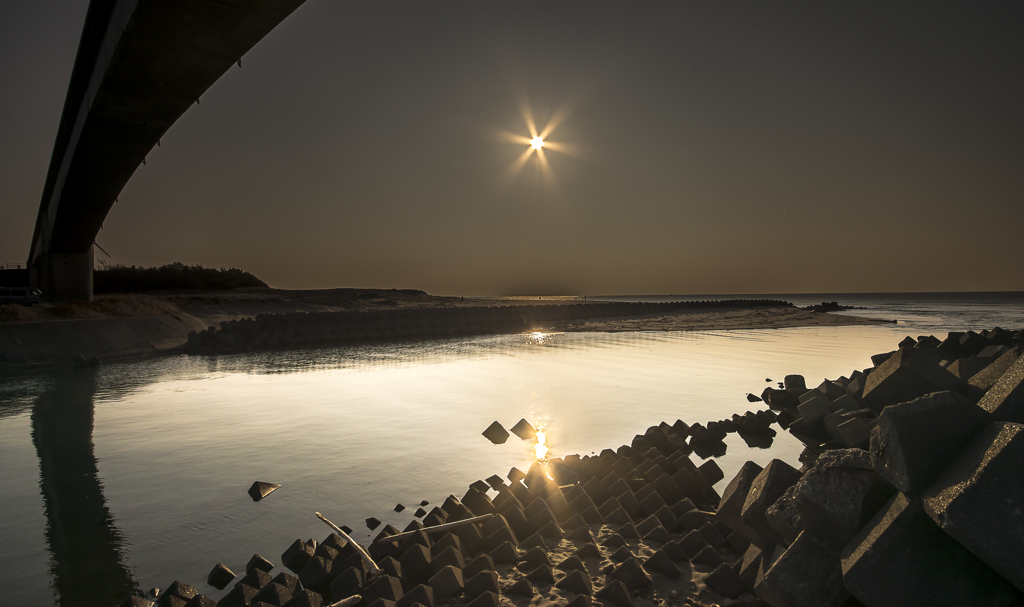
726, 147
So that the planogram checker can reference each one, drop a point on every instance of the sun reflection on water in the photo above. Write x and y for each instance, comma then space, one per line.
541, 448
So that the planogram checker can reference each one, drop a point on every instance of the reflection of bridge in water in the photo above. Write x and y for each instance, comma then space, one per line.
140, 65
87, 566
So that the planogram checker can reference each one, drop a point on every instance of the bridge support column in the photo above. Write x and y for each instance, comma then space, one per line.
65, 276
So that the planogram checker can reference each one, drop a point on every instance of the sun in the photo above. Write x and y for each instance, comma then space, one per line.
537, 142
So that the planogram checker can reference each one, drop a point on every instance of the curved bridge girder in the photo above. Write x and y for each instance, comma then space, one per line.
140, 65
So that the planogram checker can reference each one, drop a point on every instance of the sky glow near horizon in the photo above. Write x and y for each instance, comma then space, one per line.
687, 149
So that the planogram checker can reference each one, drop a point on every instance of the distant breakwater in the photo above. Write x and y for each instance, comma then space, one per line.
272, 331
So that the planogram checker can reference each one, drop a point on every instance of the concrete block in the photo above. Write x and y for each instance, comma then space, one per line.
810, 395
917, 439
854, 432
559, 507
814, 409
449, 557
577, 582
902, 558
258, 562
652, 503
832, 422
986, 378
487, 599
524, 430
795, 384
418, 538
390, 566
978, 499
657, 535
416, 567
422, 594
260, 489
725, 581
779, 400
839, 494
831, 390
973, 342
1005, 399
446, 583
766, 489
784, 517
661, 562
879, 359
483, 581
669, 490
316, 575
807, 573
305, 598
737, 542
255, 578
588, 551
471, 540
349, 583
613, 540
692, 520
296, 556
966, 368
505, 554
856, 386
668, 520
180, 590
535, 540
708, 556
631, 574
220, 576
909, 374
711, 472
483, 562
239, 596
749, 565
536, 557
496, 433
734, 496
541, 576
616, 593
385, 587
521, 588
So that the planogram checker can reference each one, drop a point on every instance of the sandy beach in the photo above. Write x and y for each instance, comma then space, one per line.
132, 326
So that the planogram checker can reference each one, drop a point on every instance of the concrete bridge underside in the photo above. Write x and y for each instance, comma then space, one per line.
140, 65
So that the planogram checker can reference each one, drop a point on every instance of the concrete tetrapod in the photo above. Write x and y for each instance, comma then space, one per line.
1005, 399
979, 499
901, 558
917, 439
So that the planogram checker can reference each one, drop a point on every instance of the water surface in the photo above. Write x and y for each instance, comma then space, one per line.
136, 473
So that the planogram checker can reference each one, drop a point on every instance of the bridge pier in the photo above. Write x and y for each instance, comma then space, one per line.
63, 276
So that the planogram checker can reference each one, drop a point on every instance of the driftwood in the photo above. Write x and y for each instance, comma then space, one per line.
436, 528
374, 569
349, 602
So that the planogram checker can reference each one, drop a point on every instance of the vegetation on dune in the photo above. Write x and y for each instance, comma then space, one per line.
171, 277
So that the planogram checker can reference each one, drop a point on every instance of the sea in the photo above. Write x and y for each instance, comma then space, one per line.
131, 475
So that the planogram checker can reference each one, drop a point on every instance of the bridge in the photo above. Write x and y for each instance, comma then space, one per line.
140, 65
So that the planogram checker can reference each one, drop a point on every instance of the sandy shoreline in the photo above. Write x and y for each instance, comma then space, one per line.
136, 326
